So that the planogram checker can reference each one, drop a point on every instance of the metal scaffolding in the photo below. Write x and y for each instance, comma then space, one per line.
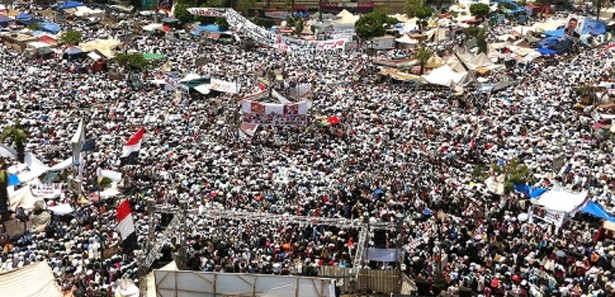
177, 229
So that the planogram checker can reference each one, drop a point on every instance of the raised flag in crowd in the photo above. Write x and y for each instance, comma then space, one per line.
126, 227
130, 151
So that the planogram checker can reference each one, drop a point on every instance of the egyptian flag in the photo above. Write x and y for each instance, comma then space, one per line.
126, 227
130, 151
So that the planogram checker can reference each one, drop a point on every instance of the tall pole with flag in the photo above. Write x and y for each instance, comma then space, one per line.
76, 143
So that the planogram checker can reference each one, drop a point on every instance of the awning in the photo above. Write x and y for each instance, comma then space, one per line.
94, 56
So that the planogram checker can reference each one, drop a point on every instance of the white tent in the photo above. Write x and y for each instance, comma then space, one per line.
434, 61
24, 198
345, 17
33, 280
407, 40
446, 76
559, 199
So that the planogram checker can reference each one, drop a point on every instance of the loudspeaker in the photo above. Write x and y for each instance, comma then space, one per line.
380, 238
165, 219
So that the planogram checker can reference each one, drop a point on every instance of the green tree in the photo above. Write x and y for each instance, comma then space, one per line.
217, 3
481, 41
373, 24
412, 6
423, 55
299, 27
131, 61
515, 172
182, 13
222, 23
71, 37
4, 196
480, 10
34, 26
423, 12
243, 6
18, 137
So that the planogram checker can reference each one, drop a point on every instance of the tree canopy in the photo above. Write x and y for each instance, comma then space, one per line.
412, 7
182, 14
71, 37
18, 137
480, 10
134, 61
373, 24
423, 12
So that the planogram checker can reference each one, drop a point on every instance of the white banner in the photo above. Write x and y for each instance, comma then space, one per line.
382, 255
174, 84
207, 12
262, 35
224, 86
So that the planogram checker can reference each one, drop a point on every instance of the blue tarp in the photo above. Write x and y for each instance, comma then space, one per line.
13, 180
23, 16
50, 27
69, 4
206, 28
209, 28
593, 27
4, 19
555, 33
597, 210
529, 191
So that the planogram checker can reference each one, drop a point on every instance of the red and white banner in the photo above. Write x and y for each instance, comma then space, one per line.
224, 86
248, 106
207, 12
331, 44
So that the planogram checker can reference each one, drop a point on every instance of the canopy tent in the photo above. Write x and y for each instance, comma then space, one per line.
73, 50
434, 61
345, 17
152, 27
211, 28
34, 280
597, 210
69, 4
446, 76
23, 16
24, 198
5, 19
50, 27
593, 27
405, 39
83, 11
399, 75
153, 56
104, 46
559, 199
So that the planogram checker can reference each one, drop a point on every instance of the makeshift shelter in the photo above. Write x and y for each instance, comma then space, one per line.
50, 27
153, 56
598, 211
446, 76
34, 280
434, 61
73, 51
406, 40
5, 19
69, 4
25, 199
103, 46
557, 205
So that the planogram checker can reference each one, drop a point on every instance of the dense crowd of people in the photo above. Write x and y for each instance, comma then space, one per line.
400, 154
